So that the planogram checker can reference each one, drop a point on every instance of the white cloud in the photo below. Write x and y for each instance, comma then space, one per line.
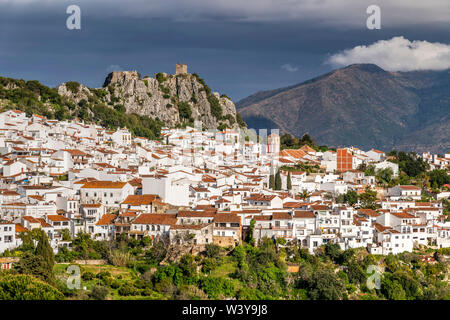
288, 67
397, 54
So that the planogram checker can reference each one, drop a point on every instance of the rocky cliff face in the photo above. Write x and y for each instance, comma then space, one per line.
174, 99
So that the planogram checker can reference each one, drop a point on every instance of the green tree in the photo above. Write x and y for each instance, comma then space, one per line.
272, 182
307, 140
333, 250
351, 197
26, 287
240, 121
326, 285
44, 250
40, 262
304, 194
184, 110
384, 175
289, 182
65, 235
212, 250
392, 289
356, 273
251, 229
34, 265
411, 164
368, 199
438, 178
278, 181
99, 292
188, 266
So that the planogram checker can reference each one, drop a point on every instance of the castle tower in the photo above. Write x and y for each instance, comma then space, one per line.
273, 143
180, 68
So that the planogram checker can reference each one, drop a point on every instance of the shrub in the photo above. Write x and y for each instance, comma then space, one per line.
120, 108
212, 250
240, 121
73, 86
230, 118
103, 274
216, 109
160, 77
185, 110
216, 287
121, 258
88, 276
115, 284
99, 293
128, 290
209, 264
26, 287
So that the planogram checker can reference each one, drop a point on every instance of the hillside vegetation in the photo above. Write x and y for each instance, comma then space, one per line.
137, 269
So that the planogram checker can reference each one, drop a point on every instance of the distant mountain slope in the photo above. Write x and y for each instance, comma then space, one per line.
361, 105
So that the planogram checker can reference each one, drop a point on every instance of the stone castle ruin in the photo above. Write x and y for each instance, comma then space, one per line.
180, 68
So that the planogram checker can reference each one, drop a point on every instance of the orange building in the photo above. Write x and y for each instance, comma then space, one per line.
344, 160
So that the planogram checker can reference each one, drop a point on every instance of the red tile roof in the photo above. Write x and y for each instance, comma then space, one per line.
106, 219
139, 200
303, 214
56, 218
104, 185
227, 217
158, 218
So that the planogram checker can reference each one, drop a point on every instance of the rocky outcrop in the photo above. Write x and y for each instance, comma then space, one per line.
74, 92
163, 97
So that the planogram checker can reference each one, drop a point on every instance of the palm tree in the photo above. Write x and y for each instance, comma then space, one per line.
304, 194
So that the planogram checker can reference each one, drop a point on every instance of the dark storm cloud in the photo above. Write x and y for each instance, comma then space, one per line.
237, 46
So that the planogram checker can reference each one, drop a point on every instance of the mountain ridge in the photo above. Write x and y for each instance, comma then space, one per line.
361, 105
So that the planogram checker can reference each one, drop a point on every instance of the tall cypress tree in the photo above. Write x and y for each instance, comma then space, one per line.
278, 181
44, 250
289, 182
272, 182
